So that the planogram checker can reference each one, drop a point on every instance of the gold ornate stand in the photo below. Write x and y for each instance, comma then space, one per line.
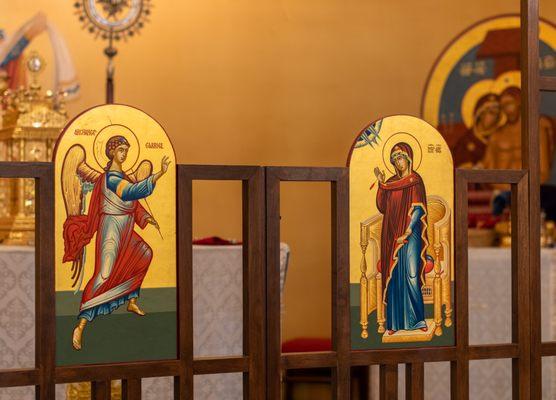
30, 126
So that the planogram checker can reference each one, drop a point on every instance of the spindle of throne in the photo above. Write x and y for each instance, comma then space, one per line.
437, 287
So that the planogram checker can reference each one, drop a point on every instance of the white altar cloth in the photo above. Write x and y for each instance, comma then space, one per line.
490, 316
217, 316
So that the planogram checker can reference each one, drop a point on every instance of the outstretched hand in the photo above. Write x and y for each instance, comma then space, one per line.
164, 164
379, 175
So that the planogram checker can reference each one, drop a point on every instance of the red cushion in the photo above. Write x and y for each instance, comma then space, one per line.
303, 345
429, 266
215, 241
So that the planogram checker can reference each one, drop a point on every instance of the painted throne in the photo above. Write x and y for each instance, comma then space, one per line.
437, 287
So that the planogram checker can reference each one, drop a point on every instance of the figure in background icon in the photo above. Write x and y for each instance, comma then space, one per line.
504, 148
471, 147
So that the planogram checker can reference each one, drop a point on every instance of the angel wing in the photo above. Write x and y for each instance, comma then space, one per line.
77, 176
76, 172
143, 171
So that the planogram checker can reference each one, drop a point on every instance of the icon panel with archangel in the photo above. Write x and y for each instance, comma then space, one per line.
401, 236
115, 227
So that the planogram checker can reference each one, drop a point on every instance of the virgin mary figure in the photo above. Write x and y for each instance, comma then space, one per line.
402, 201
122, 257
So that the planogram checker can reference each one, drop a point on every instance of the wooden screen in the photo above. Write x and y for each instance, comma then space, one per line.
262, 361
45, 374
342, 358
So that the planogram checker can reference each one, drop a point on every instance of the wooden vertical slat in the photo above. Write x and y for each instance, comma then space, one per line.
131, 389
530, 105
45, 325
415, 381
389, 382
341, 342
520, 290
100, 390
183, 384
246, 318
254, 284
273, 327
339, 359
460, 367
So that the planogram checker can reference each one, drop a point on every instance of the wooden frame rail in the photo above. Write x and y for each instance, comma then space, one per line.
342, 358
262, 374
532, 84
519, 349
252, 364
546, 349
460, 354
338, 358
42, 375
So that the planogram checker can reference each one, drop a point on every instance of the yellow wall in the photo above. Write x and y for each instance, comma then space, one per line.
273, 82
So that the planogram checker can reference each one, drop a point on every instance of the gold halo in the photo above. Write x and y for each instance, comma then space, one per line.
506, 80
116, 130
411, 141
471, 97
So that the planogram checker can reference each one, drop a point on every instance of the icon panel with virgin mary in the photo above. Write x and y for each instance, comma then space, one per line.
115, 239
401, 252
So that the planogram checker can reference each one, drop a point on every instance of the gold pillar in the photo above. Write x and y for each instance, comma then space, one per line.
447, 296
437, 289
364, 290
379, 304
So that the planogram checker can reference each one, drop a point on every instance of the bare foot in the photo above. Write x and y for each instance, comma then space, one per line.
78, 334
391, 332
134, 308
424, 329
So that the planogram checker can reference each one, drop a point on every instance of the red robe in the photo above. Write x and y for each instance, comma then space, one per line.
395, 200
134, 254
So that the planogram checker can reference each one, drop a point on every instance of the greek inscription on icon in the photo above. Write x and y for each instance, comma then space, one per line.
154, 145
85, 132
434, 148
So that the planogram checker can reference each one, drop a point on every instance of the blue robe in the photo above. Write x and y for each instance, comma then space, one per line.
402, 201
405, 308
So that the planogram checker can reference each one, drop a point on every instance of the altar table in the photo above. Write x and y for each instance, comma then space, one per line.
490, 322
217, 319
